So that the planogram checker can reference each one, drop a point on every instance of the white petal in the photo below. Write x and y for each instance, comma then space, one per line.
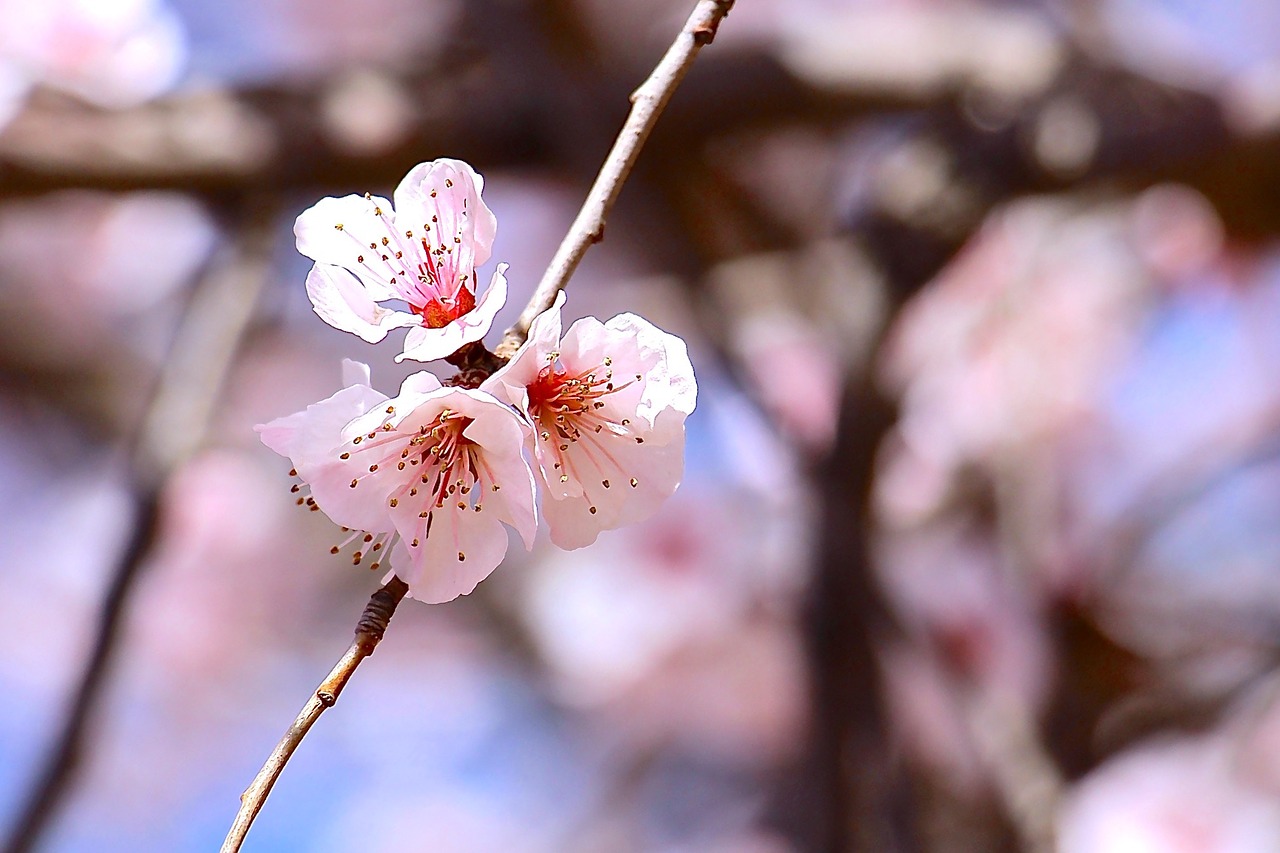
309, 437
480, 318
544, 331
462, 549
457, 207
656, 465
417, 389
344, 303
355, 372
502, 435
510, 382
424, 344
556, 483
574, 525
358, 245
361, 508
586, 346
312, 440
662, 471
571, 524
670, 380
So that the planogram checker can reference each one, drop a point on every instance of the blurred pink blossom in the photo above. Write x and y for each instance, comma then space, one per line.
114, 53
78, 263
796, 375
1008, 347
1177, 796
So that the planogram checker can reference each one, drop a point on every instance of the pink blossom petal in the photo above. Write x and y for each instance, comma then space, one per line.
516, 505
311, 434
655, 468
311, 440
445, 195
415, 389
670, 378
511, 381
424, 344
342, 302
355, 373
423, 252
433, 571
441, 468
364, 222
590, 344
663, 469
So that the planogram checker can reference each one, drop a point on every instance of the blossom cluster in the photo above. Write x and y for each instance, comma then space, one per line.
593, 417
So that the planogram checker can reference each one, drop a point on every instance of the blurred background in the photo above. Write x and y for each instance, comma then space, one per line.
978, 547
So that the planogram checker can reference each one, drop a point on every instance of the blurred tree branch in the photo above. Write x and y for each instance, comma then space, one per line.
217, 316
498, 111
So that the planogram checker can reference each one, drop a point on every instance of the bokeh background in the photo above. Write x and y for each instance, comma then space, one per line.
978, 547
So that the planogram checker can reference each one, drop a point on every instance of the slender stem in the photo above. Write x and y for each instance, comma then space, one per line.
369, 631
647, 104
1027, 779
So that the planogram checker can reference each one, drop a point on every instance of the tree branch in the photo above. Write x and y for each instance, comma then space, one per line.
647, 103
202, 353
369, 631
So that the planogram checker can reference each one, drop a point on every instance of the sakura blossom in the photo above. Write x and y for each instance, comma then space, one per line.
607, 403
429, 476
422, 251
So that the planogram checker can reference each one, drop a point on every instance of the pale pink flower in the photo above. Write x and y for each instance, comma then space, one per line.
607, 404
429, 475
424, 253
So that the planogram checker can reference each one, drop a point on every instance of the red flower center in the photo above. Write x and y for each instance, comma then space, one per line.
437, 313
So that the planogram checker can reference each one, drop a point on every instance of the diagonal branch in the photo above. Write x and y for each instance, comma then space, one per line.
647, 103
369, 631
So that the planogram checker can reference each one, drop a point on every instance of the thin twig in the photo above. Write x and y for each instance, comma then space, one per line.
1026, 778
647, 103
369, 631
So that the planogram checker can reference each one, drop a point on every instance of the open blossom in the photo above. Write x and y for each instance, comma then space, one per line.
430, 475
607, 404
424, 252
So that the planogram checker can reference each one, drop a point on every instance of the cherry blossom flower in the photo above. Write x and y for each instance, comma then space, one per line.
424, 253
429, 475
607, 404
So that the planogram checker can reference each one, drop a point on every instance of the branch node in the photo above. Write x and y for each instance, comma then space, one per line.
377, 613
373, 623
